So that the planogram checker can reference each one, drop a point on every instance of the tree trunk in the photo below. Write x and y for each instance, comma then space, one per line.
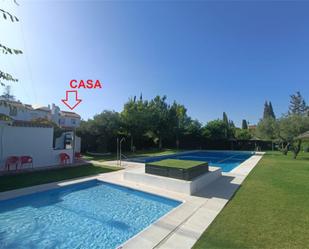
177, 144
160, 143
272, 145
286, 149
177, 141
131, 144
296, 149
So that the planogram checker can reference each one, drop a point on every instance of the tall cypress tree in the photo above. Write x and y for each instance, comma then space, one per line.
225, 119
266, 110
227, 125
271, 110
244, 125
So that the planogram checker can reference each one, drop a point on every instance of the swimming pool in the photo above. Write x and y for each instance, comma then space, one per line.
91, 214
226, 160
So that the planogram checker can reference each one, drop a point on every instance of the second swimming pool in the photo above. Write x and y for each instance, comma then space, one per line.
226, 160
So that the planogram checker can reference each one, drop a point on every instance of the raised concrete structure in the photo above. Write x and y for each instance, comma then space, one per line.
138, 175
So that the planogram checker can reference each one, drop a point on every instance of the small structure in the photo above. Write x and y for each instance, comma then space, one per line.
30, 143
304, 136
178, 169
177, 179
25, 142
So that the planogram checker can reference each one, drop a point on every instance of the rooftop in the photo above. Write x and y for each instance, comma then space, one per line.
69, 114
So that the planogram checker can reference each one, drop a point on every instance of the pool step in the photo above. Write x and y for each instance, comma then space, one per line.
171, 184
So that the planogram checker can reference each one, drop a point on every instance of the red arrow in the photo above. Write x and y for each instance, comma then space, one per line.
73, 103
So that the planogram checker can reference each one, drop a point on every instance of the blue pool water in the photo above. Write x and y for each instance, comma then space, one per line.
226, 160
87, 215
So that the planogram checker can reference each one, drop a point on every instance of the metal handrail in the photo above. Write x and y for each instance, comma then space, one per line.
124, 156
119, 152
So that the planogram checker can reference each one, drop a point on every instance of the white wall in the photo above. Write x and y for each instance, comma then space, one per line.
24, 114
32, 141
69, 122
77, 144
186, 187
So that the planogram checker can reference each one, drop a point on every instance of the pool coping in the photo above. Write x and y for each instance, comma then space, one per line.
182, 226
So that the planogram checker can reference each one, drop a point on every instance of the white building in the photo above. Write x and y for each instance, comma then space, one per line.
21, 137
23, 112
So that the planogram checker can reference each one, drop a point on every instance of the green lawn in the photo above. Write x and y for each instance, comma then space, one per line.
40, 177
270, 210
142, 153
150, 153
34, 178
174, 163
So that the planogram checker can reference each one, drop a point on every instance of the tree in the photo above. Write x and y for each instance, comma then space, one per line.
6, 50
244, 124
225, 119
271, 111
268, 111
135, 118
242, 134
100, 133
289, 128
215, 129
297, 105
267, 128
227, 125
160, 126
7, 94
179, 120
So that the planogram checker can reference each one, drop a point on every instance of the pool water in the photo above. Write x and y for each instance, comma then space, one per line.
92, 214
226, 160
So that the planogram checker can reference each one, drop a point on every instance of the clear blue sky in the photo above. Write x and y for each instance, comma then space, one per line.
210, 56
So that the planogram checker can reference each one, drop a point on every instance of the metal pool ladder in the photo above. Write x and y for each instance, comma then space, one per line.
119, 152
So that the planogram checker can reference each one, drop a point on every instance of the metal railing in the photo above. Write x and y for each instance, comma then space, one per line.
119, 151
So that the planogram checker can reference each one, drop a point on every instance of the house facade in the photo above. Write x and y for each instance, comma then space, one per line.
24, 112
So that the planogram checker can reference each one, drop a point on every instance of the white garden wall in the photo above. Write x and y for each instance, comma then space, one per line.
36, 142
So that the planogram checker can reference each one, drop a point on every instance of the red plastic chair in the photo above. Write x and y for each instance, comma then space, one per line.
26, 160
64, 158
12, 160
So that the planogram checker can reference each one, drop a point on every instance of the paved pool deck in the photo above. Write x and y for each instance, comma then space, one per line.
181, 227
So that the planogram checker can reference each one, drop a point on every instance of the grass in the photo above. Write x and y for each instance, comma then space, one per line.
22, 180
270, 210
10, 182
175, 163
142, 153
155, 153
